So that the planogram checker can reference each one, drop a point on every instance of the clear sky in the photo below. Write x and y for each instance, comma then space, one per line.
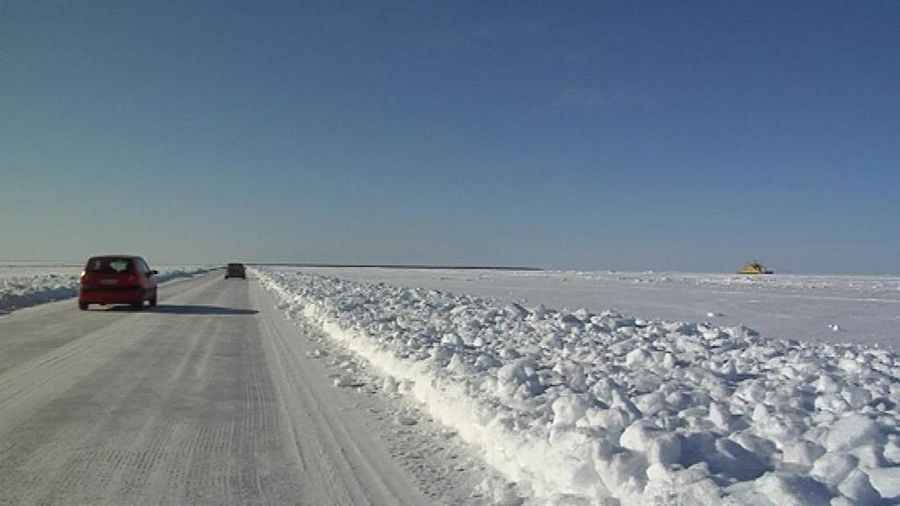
605, 135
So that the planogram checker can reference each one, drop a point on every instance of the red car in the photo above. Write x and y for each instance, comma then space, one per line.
117, 279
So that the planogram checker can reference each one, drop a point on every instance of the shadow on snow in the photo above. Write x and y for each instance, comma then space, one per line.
186, 310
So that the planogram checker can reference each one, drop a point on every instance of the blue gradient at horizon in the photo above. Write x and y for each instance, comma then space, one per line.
593, 136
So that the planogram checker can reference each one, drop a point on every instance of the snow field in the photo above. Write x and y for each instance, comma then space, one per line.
801, 282
23, 286
599, 408
834, 309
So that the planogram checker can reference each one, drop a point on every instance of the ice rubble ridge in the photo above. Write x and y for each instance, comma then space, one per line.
18, 291
606, 409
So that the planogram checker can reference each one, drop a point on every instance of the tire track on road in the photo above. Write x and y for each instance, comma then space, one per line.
356, 470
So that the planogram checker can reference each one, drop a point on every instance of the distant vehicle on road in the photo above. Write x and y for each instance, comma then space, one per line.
235, 271
117, 279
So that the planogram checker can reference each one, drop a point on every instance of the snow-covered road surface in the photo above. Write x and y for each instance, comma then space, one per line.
211, 398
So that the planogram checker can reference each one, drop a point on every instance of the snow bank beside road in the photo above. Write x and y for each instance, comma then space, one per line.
834, 309
599, 408
28, 286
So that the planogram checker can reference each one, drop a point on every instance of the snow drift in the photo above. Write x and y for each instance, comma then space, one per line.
604, 409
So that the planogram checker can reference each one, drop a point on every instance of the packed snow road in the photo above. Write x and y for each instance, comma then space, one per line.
208, 399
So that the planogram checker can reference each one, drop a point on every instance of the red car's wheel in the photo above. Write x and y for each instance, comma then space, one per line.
83, 306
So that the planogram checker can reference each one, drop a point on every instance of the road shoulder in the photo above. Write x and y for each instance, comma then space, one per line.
392, 448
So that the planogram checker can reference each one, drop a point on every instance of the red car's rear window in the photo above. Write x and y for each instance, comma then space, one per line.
109, 265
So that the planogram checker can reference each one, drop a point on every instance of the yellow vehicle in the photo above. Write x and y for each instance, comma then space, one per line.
754, 267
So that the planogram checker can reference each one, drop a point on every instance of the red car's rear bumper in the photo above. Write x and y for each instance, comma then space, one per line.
112, 296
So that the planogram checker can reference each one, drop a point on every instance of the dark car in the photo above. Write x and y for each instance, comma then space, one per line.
117, 279
235, 271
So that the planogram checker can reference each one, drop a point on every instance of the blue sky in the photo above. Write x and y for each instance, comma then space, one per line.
619, 135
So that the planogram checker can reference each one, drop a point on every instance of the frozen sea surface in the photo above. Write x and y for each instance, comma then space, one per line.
837, 309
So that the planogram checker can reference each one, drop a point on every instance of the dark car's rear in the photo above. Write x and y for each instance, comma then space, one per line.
235, 271
117, 279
